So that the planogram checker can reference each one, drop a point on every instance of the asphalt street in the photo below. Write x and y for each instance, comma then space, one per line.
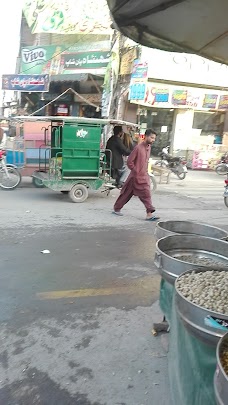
76, 322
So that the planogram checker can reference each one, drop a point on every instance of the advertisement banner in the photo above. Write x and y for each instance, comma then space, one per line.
138, 81
26, 83
68, 17
59, 59
210, 101
223, 102
137, 91
171, 96
179, 97
156, 95
140, 70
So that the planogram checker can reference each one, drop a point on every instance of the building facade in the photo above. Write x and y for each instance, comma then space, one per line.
185, 99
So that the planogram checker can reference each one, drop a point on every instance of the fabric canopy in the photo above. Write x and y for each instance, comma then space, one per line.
193, 26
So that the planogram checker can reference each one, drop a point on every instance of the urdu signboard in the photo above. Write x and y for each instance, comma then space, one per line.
59, 59
26, 83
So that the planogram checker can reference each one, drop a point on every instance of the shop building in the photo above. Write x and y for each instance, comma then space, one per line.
185, 100
74, 63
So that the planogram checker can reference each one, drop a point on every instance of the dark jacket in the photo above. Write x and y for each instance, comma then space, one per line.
118, 150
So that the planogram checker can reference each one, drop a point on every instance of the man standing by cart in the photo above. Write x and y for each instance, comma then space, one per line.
115, 144
138, 182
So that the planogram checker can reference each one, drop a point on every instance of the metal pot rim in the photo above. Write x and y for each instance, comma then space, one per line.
181, 236
159, 224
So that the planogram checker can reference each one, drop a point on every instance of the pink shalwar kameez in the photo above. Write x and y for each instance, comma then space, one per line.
138, 182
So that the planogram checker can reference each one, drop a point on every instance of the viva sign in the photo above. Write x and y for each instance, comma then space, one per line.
34, 55
54, 60
40, 60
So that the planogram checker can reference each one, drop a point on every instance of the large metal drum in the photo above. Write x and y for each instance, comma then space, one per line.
168, 228
199, 321
221, 378
198, 250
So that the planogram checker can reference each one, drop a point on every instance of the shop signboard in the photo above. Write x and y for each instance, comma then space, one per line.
184, 68
126, 65
210, 101
60, 59
223, 102
64, 17
26, 83
85, 60
179, 97
171, 96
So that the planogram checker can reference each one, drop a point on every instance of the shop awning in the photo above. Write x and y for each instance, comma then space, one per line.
74, 77
193, 26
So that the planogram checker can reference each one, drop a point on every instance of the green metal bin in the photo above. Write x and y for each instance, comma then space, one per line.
81, 150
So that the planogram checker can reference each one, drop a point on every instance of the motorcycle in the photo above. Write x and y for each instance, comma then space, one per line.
10, 176
222, 167
226, 192
176, 164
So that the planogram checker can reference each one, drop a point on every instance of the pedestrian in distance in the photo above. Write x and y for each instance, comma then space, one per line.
116, 146
138, 182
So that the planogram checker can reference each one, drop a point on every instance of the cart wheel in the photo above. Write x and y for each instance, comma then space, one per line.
79, 193
37, 183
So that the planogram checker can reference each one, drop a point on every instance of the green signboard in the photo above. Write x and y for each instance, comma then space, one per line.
54, 60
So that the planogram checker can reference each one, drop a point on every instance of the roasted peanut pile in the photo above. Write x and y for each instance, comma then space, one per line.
224, 358
200, 261
208, 289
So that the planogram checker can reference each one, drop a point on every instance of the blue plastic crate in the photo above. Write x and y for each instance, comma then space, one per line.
15, 157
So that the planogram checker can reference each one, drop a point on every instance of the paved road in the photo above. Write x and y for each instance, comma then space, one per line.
204, 186
76, 323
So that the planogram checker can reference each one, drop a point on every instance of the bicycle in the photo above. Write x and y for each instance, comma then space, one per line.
10, 176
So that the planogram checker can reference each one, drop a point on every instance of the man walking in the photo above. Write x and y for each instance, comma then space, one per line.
138, 182
115, 144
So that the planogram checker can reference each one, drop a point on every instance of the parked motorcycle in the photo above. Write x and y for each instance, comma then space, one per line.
176, 164
10, 176
222, 167
226, 192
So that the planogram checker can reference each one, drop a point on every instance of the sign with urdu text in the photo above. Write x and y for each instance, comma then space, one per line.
59, 59
26, 83
68, 16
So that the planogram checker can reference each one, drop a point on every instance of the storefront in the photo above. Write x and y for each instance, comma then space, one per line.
161, 120
185, 98
186, 118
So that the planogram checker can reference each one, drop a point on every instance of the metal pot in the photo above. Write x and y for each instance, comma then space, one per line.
196, 318
171, 267
220, 378
168, 228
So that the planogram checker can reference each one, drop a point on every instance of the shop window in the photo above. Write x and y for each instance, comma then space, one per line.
209, 123
161, 120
